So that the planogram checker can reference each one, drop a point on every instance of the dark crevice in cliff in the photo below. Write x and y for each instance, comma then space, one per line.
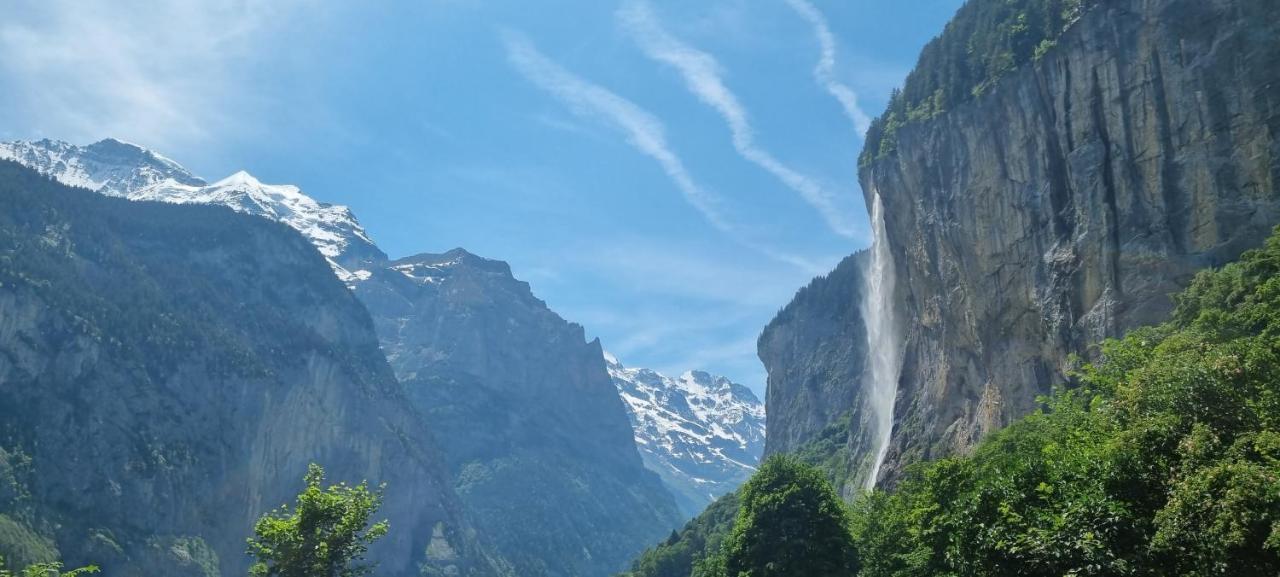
1111, 248
1061, 204
1171, 193
1068, 106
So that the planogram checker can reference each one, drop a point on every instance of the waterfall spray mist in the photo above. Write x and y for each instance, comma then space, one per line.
883, 343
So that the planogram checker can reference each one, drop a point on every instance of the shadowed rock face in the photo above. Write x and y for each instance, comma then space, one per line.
538, 439
167, 373
1069, 202
815, 355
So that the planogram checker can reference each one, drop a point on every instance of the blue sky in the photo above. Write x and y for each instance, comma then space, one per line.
665, 173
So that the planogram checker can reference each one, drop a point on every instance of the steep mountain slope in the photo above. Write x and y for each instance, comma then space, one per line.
515, 394
702, 434
166, 374
1068, 201
538, 439
126, 170
1051, 173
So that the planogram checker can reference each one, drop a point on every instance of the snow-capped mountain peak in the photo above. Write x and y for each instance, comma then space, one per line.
112, 167
240, 178
701, 433
117, 168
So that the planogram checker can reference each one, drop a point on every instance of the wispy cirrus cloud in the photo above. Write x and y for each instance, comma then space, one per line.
825, 71
704, 77
158, 73
643, 131
687, 306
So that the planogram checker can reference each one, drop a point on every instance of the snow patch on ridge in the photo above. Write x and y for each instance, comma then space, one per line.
117, 168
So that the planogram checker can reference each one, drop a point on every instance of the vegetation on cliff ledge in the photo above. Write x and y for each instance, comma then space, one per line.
986, 40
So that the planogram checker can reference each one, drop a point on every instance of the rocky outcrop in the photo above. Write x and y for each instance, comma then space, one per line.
1070, 200
702, 434
166, 375
538, 440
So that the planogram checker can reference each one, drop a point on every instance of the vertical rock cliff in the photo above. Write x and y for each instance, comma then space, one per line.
166, 375
815, 352
1050, 174
538, 439
1068, 199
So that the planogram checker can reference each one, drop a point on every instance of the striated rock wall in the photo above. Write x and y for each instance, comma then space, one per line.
1068, 202
166, 375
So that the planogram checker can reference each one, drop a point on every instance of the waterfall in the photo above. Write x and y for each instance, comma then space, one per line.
883, 343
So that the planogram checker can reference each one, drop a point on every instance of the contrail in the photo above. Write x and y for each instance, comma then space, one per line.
644, 131
824, 71
703, 76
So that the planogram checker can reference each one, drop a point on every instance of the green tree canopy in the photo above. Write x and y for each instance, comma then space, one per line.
791, 524
1164, 459
46, 570
325, 534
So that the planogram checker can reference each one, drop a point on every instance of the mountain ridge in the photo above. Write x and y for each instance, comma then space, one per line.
116, 168
525, 404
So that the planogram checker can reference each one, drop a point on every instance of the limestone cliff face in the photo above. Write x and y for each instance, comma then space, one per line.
1068, 202
536, 435
166, 375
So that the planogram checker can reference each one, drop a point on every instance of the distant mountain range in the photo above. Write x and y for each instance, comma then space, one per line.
703, 434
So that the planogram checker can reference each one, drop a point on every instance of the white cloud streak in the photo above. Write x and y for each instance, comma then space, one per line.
153, 72
643, 131
824, 71
704, 77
